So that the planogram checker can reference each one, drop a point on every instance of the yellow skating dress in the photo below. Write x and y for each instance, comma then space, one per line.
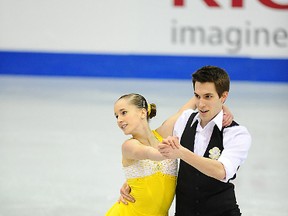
152, 185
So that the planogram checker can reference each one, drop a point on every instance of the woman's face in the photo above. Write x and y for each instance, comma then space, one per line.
128, 116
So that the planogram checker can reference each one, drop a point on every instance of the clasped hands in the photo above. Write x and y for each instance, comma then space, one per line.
170, 147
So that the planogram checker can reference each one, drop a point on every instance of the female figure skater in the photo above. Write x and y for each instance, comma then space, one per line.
149, 175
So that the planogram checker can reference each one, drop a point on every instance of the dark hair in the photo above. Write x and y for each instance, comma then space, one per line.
140, 102
213, 74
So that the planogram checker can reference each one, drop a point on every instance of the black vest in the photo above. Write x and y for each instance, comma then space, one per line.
197, 193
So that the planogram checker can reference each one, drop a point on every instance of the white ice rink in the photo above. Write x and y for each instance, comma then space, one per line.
60, 148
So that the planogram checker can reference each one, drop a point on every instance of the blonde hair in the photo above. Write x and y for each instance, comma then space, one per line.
140, 102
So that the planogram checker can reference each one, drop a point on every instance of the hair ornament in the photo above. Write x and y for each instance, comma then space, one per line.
149, 109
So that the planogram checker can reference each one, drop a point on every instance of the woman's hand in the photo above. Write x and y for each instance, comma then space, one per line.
227, 116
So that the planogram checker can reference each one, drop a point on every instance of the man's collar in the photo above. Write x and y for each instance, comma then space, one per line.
218, 119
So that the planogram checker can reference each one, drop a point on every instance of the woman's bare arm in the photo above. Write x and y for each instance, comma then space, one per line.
166, 129
134, 150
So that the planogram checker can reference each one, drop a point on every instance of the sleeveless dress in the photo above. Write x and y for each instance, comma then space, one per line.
152, 185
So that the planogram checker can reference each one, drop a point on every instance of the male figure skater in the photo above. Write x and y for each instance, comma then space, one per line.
209, 153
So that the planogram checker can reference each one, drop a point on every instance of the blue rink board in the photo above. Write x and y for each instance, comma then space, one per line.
138, 66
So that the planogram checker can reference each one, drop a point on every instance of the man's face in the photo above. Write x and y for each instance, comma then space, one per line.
208, 102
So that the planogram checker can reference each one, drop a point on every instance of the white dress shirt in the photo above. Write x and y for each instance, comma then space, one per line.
236, 140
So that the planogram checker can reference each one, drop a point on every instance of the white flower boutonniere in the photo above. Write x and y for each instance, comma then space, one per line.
214, 153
